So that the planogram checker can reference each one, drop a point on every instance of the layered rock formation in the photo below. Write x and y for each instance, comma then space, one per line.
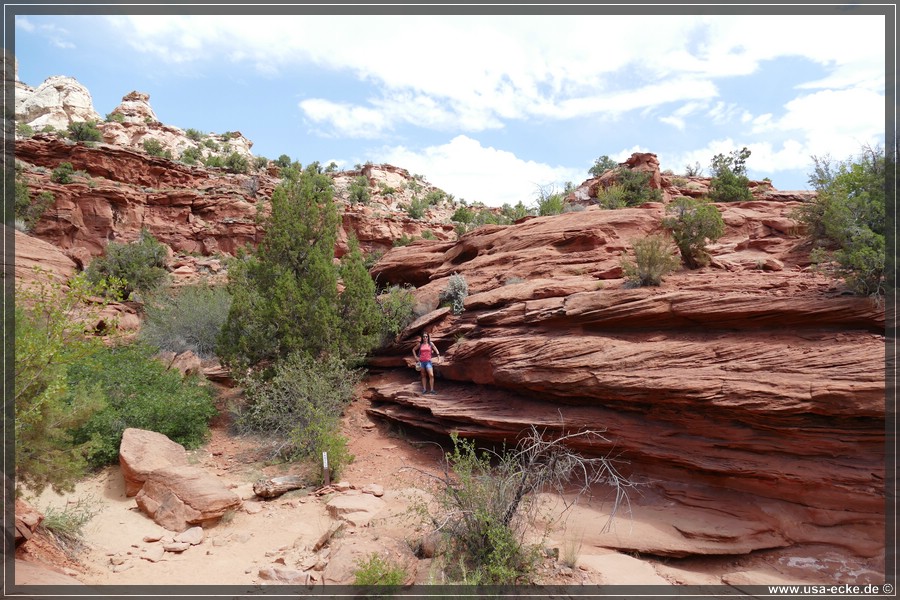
752, 389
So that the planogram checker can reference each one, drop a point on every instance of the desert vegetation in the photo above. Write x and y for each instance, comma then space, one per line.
846, 222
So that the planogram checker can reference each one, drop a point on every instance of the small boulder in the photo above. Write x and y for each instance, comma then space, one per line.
178, 497
357, 509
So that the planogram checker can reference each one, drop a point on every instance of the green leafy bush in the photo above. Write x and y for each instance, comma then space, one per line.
261, 163
729, 182
237, 163
193, 134
463, 215
29, 209
359, 190
192, 155
375, 570
139, 392
214, 161
454, 295
653, 260
550, 203
63, 173
397, 308
24, 129
612, 197
434, 197
49, 337
846, 221
514, 213
602, 165
187, 318
636, 186
84, 131
428, 235
694, 223
154, 147
140, 266
416, 208
115, 118
299, 408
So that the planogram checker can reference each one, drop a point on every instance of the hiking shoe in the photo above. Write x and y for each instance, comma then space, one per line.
433, 392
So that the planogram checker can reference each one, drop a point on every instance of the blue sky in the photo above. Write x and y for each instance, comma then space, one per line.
490, 108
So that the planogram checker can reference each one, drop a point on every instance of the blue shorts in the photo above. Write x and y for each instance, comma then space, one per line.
426, 364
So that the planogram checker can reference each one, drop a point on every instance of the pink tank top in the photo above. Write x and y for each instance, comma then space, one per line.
425, 352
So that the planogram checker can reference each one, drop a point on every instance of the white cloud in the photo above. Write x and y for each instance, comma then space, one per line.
466, 169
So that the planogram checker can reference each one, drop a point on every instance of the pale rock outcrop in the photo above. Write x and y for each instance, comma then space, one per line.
57, 102
135, 108
178, 497
355, 507
142, 452
346, 554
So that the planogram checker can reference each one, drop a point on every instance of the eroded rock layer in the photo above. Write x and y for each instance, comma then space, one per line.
754, 393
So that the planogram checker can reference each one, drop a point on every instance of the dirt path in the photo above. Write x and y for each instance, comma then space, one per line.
280, 533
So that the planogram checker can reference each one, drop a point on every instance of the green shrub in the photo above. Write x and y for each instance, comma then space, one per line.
190, 156
514, 213
261, 163
299, 407
140, 266
214, 161
283, 161
237, 163
211, 144
24, 129
693, 223
487, 499
416, 208
140, 392
187, 318
612, 197
403, 240
428, 235
397, 308
115, 118
846, 221
454, 295
49, 336
63, 173
376, 570
729, 182
27, 208
602, 165
154, 147
653, 260
550, 203
66, 526
434, 197
359, 190
463, 215
84, 131
637, 187
193, 134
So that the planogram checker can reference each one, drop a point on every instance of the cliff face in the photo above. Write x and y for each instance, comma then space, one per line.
751, 389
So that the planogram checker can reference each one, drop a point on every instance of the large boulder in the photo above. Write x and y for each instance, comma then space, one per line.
142, 452
178, 497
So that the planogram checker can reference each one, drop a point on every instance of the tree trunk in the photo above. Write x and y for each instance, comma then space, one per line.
276, 486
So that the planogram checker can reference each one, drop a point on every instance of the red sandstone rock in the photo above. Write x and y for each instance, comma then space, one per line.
177, 497
142, 452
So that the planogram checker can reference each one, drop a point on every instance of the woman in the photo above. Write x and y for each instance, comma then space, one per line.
423, 354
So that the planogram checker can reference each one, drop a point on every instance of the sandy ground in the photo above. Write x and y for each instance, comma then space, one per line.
281, 531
